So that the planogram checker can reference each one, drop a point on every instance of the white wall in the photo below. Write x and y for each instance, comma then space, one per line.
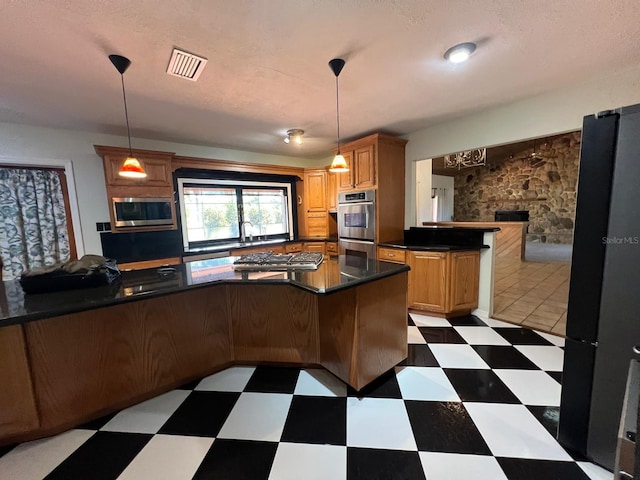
549, 113
35, 144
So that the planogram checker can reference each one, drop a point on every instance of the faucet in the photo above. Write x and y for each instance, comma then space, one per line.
243, 232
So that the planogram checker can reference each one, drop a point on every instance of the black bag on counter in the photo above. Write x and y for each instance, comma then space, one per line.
88, 272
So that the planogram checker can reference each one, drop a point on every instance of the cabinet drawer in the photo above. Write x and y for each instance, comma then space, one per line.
332, 247
391, 255
292, 248
314, 247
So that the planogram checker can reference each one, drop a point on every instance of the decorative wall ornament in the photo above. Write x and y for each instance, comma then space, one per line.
468, 158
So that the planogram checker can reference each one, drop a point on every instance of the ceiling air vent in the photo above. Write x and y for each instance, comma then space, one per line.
186, 65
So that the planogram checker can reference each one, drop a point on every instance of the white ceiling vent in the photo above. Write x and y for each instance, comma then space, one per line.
186, 65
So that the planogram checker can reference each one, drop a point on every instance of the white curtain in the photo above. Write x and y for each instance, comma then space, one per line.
33, 218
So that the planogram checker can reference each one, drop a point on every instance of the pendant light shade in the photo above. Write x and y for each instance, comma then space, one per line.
131, 166
339, 164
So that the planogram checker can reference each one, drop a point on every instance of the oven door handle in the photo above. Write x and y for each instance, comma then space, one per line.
354, 204
347, 240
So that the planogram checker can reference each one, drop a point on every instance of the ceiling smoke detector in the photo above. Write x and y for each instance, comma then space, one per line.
186, 65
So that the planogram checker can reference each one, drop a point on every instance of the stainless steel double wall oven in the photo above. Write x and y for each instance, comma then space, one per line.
357, 223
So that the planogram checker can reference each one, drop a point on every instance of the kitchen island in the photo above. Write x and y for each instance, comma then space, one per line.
69, 357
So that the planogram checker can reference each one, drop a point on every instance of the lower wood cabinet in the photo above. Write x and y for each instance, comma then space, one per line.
444, 282
428, 281
331, 248
314, 247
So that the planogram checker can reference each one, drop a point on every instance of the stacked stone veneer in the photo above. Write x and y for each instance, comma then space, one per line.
544, 186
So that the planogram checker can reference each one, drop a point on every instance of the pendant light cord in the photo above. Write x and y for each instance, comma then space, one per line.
338, 113
126, 114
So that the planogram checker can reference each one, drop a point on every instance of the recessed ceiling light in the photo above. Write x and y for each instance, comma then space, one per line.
460, 53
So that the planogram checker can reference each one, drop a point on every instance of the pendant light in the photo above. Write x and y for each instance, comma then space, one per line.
339, 164
131, 167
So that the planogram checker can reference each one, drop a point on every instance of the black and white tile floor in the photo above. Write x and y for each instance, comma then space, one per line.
476, 399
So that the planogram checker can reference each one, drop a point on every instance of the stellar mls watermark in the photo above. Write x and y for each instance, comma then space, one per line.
620, 240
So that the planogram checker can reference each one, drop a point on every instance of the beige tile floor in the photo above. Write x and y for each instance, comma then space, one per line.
532, 294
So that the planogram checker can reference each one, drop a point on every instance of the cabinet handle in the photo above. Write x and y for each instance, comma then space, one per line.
390, 255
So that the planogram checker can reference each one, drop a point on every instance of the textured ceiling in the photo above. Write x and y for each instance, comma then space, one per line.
267, 69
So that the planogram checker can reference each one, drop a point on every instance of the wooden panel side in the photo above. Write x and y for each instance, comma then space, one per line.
337, 317
92, 362
274, 323
381, 328
18, 411
391, 182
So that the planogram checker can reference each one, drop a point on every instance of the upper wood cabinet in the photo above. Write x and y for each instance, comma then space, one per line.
157, 184
362, 168
156, 164
315, 190
332, 191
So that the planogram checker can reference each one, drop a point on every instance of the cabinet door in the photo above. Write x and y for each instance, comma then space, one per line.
427, 280
158, 171
315, 191
332, 192
345, 180
317, 224
364, 167
464, 280
331, 248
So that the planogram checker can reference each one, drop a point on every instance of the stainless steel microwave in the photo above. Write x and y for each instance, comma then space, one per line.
142, 212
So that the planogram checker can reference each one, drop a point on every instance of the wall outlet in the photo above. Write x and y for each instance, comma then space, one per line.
100, 226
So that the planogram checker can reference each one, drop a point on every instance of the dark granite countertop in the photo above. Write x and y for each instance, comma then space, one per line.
334, 274
430, 248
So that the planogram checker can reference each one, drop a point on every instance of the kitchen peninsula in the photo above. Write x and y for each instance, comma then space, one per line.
72, 356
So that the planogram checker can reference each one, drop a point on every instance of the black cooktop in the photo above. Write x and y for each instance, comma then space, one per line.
277, 261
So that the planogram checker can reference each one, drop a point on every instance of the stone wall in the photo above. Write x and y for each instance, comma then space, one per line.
545, 186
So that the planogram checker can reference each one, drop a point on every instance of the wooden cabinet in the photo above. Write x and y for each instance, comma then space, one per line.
315, 203
445, 283
362, 168
395, 255
331, 248
378, 162
157, 184
428, 281
464, 278
315, 190
314, 247
345, 180
293, 247
332, 192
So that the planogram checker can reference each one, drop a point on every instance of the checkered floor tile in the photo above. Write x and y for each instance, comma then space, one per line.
474, 399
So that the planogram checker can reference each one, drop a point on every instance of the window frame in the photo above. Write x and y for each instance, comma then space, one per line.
238, 184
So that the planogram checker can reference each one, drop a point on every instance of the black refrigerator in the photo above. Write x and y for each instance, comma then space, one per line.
603, 316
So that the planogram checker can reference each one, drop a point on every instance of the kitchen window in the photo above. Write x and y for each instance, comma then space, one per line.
218, 212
